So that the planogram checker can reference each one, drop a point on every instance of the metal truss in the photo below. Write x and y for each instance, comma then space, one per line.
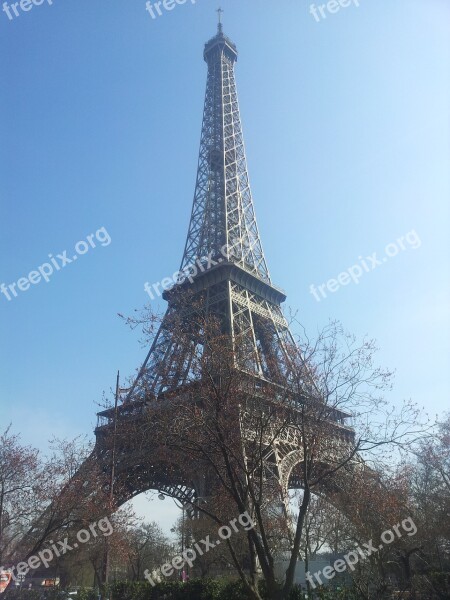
237, 291
222, 211
223, 216
258, 331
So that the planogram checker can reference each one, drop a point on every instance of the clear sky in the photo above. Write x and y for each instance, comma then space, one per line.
346, 122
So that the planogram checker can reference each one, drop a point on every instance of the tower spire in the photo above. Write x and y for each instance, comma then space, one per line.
219, 25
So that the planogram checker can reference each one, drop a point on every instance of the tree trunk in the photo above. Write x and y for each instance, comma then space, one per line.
290, 573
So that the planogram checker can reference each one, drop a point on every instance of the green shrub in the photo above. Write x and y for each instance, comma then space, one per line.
195, 589
16, 594
84, 594
233, 590
296, 593
200, 589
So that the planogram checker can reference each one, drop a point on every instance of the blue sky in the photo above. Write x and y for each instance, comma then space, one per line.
346, 123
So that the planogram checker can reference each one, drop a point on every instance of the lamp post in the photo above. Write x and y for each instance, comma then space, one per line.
106, 555
173, 530
184, 575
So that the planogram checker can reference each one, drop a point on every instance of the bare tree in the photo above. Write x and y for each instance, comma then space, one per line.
252, 437
149, 548
21, 470
47, 499
426, 565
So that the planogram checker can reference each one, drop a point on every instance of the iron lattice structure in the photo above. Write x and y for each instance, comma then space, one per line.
236, 288
223, 229
222, 212
232, 283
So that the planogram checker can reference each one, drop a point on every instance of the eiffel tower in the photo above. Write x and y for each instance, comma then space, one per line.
227, 269
223, 269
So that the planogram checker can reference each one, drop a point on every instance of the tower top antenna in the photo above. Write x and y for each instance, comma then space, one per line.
219, 25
